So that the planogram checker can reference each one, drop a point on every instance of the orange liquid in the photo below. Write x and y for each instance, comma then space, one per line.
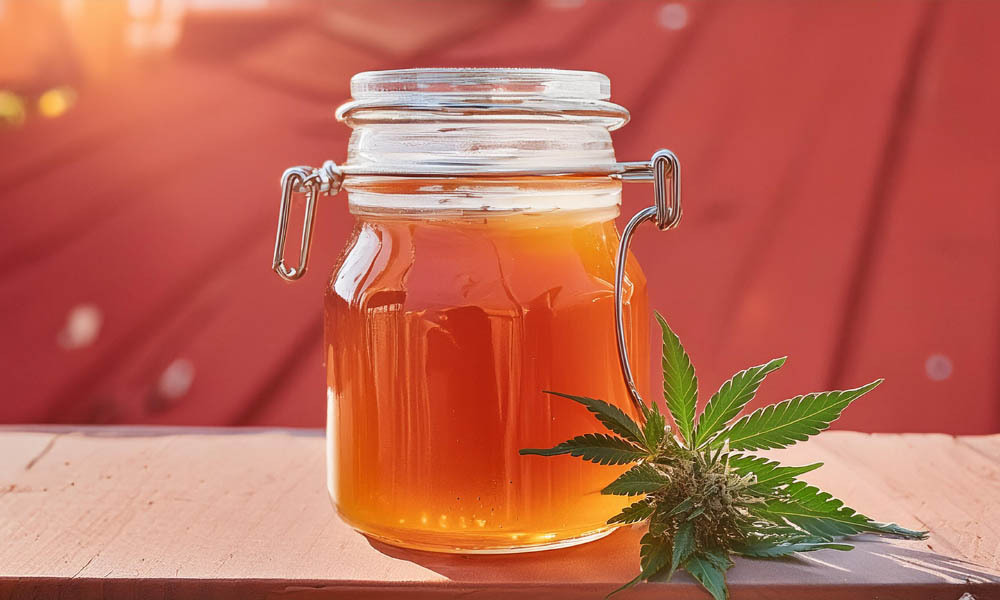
441, 336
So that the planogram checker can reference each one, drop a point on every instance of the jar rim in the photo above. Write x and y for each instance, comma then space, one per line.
481, 94
553, 83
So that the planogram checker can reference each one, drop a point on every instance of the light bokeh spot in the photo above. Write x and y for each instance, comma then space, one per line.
83, 326
12, 111
673, 16
938, 367
55, 102
176, 379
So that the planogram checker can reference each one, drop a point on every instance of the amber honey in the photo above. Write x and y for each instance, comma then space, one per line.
441, 335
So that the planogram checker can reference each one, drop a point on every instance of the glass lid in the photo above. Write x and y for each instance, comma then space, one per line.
483, 95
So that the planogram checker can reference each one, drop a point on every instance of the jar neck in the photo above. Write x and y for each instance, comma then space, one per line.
478, 197
490, 224
475, 147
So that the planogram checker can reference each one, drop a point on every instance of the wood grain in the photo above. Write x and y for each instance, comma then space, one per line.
817, 140
173, 512
936, 234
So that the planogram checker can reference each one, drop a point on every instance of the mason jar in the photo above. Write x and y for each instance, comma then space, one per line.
480, 274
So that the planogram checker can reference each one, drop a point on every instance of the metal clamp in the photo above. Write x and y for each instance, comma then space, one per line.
663, 169
325, 180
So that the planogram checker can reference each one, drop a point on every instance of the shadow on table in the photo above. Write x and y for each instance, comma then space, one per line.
875, 564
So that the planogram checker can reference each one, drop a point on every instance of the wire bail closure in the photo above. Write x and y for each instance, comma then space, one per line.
663, 169
666, 212
325, 180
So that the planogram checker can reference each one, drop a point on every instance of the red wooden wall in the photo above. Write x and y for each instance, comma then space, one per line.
841, 186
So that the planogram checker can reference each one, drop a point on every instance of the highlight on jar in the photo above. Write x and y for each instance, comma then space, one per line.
484, 270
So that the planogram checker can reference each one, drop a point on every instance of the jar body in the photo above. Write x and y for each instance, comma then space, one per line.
442, 334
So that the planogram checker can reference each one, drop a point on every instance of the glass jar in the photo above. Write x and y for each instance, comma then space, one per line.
480, 273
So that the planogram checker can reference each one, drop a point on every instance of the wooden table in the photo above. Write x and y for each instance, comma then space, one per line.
238, 513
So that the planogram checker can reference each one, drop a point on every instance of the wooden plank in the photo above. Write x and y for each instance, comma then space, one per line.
983, 444
204, 222
589, 36
173, 512
402, 29
537, 29
881, 476
899, 464
779, 125
201, 279
56, 188
928, 312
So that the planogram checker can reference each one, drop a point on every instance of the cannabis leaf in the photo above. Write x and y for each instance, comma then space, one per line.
596, 447
822, 515
710, 573
734, 394
610, 416
680, 386
655, 428
639, 511
703, 497
782, 424
643, 478
768, 473
768, 550
653, 556
683, 546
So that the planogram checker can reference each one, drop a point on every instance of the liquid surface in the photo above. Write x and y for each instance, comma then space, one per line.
441, 336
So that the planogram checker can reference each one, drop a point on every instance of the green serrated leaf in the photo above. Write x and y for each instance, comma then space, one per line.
726, 404
718, 558
818, 513
769, 474
769, 550
653, 556
683, 546
709, 574
610, 416
785, 423
633, 513
631, 583
680, 385
654, 429
596, 447
641, 479
893, 529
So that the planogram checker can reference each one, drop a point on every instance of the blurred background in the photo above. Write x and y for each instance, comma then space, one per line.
841, 180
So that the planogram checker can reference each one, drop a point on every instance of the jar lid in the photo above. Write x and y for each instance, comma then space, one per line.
474, 122
484, 95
